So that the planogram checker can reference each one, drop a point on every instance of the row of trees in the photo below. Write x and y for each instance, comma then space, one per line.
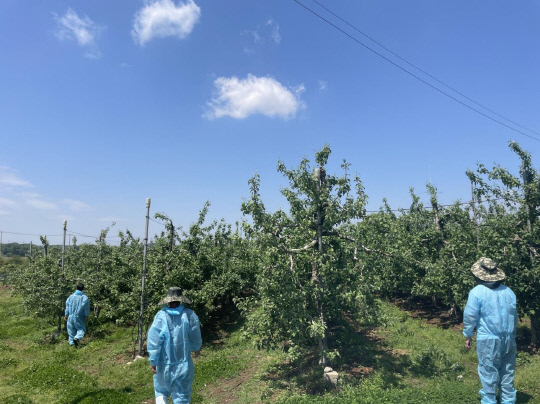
14, 250
299, 276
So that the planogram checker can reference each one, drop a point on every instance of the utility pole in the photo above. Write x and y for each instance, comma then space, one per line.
525, 176
62, 281
319, 175
140, 331
474, 215
171, 245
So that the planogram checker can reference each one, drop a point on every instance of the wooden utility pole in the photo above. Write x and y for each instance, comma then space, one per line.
140, 331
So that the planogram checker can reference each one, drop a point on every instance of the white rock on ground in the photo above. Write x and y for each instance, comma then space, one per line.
331, 377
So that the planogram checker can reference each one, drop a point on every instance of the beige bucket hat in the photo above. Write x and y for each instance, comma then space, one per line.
174, 294
487, 270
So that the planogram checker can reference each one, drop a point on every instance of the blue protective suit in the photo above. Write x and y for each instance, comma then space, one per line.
77, 308
494, 315
171, 338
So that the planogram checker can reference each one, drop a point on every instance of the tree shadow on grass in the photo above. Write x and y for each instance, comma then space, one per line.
222, 323
99, 333
111, 396
361, 353
523, 339
433, 313
523, 397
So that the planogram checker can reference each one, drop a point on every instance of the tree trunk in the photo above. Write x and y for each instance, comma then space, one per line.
535, 330
323, 342
456, 311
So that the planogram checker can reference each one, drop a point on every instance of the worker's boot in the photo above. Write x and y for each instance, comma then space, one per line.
161, 400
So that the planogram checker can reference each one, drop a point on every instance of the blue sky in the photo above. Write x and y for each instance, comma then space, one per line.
106, 103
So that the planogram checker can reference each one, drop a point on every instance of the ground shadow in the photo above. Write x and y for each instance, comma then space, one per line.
523, 397
222, 323
362, 351
116, 396
523, 338
433, 313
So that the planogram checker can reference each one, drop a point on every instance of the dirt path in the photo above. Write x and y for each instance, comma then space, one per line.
227, 391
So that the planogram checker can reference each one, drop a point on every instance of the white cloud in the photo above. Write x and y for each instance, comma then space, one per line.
76, 206
269, 32
239, 98
29, 195
323, 85
163, 18
9, 178
4, 212
82, 30
275, 35
5, 202
41, 204
298, 90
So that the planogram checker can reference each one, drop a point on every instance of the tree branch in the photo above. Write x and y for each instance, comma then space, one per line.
304, 248
291, 265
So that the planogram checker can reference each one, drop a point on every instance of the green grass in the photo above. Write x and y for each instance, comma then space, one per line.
403, 360
36, 369
415, 362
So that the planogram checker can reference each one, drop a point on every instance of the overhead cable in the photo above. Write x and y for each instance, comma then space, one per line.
155, 221
423, 71
80, 234
414, 75
29, 234
439, 206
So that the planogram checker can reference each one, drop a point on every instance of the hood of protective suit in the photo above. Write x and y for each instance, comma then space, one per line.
488, 284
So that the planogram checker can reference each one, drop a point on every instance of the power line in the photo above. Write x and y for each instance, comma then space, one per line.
415, 76
29, 234
423, 71
155, 221
80, 234
440, 206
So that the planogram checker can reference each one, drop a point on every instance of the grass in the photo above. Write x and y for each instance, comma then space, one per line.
412, 361
36, 369
403, 360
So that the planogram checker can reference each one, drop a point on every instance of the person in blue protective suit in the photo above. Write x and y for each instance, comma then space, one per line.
174, 333
77, 311
491, 309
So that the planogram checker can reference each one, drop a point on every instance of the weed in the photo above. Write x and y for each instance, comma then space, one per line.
57, 378
5, 362
17, 399
5, 348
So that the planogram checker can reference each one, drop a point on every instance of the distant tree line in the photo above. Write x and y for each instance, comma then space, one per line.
17, 250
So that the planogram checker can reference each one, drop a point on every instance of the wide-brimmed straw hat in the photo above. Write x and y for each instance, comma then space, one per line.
487, 270
174, 294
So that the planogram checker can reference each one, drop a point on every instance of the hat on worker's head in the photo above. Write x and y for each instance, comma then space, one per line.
174, 294
487, 270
